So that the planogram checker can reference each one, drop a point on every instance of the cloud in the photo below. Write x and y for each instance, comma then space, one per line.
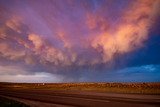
130, 33
12, 70
66, 45
2, 33
36, 40
14, 24
34, 78
18, 73
47, 52
64, 39
73, 36
145, 73
96, 21
29, 60
13, 54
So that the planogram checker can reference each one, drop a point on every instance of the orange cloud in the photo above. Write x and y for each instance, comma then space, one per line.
96, 21
94, 41
47, 52
64, 39
2, 33
7, 52
36, 40
130, 33
91, 21
14, 24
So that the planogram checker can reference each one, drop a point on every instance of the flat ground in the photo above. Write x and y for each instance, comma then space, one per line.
84, 94
8, 102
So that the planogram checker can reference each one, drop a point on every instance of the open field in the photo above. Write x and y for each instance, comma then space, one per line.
142, 88
83, 94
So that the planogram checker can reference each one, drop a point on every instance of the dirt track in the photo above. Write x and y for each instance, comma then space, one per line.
85, 99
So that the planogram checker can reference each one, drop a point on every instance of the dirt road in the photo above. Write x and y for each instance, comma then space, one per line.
84, 98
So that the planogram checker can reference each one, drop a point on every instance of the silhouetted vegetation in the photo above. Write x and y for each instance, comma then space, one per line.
4, 102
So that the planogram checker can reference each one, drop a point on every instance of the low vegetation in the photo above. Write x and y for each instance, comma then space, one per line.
143, 88
4, 102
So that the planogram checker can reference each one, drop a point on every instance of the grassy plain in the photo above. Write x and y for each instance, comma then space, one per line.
141, 88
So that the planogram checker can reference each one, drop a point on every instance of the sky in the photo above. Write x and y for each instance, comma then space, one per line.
79, 41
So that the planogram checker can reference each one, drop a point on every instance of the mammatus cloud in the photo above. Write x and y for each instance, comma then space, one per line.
14, 24
72, 36
10, 53
126, 35
47, 52
130, 33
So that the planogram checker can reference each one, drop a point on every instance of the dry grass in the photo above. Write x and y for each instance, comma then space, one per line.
143, 88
